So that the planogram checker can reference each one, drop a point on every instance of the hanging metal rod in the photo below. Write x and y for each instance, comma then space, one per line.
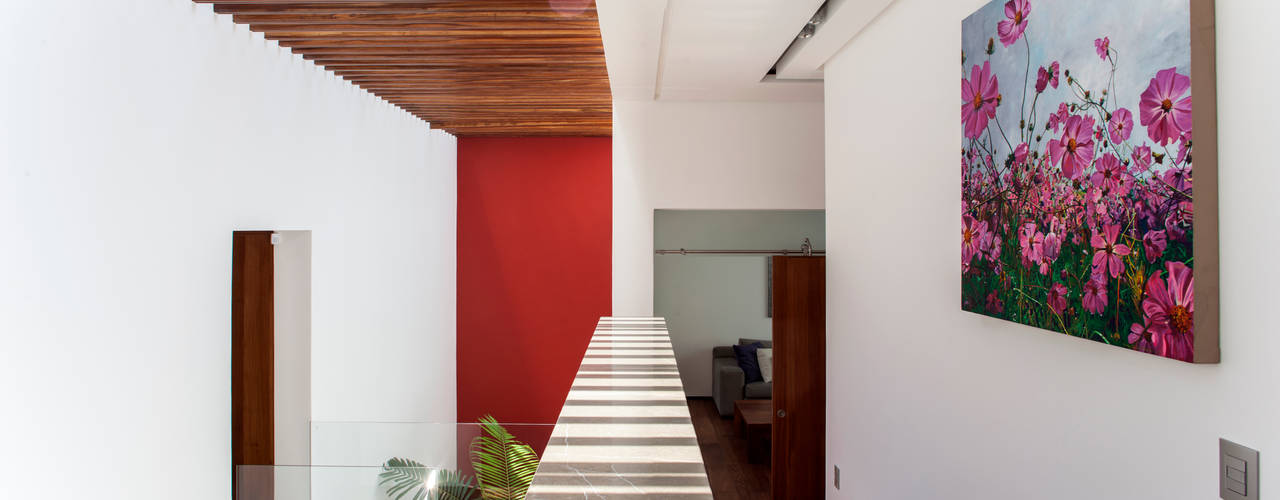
683, 251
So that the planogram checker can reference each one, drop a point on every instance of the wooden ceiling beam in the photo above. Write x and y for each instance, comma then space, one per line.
398, 90
455, 28
471, 67
365, 8
530, 68
527, 123
594, 91
444, 51
421, 4
402, 91
590, 60
597, 93
436, 80
465, 128
291, 33
497, 100
459, 117
488, 74
586, 87
369, 18
362, 40
594, 120
439, 42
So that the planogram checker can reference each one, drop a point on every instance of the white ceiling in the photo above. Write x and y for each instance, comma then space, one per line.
702, 50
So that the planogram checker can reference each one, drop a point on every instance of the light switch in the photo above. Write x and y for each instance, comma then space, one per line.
1237, 471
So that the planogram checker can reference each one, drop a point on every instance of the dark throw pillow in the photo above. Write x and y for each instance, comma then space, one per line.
747, 360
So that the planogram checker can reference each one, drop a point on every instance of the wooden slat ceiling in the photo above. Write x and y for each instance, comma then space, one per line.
472, 68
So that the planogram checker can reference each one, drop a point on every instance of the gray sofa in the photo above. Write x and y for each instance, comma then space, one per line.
728, 383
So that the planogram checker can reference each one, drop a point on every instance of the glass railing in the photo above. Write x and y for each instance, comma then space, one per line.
398, 461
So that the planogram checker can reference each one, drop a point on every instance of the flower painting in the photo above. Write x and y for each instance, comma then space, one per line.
1083, 191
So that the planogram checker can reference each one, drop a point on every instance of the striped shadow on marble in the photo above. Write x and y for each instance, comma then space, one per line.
625, 431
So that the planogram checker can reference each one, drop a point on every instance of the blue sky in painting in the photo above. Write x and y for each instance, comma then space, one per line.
1149, 35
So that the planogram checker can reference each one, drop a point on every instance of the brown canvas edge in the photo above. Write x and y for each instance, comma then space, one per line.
1204, 83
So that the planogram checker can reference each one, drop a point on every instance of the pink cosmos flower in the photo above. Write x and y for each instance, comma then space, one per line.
994, 304
1163, 110
1057, 298
1095, 295
1011, 29
1050, 249
1074, 151
1109, 256
1179, 178
1185, 149
1121, 125
1170, 309
1030, 244
1020, 153
979, 93
1173, 227
1110, 173
989, 246
969, 234
1153, 244
1056, 119
1141, 158
1102, 45
984, 244
1046, 77
1179, 220
1141, 337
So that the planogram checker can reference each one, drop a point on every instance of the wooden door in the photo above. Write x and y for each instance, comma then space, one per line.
799, 377
252, 363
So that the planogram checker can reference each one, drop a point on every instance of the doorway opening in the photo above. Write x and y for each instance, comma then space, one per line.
743, 293
270, 363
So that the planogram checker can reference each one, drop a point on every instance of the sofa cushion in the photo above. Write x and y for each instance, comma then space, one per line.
765, 356
747, 360
763, 343
759, 390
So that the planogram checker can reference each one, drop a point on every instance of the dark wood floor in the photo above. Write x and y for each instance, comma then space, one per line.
724, 451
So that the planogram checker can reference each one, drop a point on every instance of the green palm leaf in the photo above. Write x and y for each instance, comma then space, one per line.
504, 465
407, 478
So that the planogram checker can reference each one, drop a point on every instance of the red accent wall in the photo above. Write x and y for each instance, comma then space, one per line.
534, 270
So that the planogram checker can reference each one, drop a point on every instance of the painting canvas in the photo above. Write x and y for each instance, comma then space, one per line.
1087, 207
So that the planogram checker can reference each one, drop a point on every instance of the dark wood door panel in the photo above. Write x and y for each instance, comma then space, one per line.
799, 386
252, 353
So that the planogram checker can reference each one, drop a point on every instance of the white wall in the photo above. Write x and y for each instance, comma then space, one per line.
926, 401
135, 136
703, 155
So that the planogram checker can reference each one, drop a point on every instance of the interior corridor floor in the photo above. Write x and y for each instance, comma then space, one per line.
724, 451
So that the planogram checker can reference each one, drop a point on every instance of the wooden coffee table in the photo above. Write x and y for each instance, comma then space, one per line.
753, 418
